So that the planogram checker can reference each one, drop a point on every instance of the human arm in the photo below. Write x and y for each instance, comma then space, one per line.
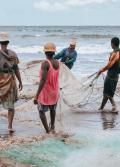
111, 62
18, 76
59, 55
16, 70
73, 59
15, 61
44, 68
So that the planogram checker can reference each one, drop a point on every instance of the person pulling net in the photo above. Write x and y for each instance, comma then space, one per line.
74, 92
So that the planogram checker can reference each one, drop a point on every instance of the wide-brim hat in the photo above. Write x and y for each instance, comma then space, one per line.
4, 37
49, 47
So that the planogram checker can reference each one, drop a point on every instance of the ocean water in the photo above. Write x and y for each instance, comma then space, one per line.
93, 43
88, 148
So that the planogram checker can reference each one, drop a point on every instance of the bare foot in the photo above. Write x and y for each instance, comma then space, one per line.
101, 110
48, 132
11, 130
52, 131
114, 110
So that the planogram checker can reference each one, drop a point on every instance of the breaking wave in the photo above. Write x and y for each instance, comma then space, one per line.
85, 49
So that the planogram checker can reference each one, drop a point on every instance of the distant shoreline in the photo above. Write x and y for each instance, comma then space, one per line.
59, 25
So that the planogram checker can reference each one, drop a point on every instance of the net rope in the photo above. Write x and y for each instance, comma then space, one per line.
74, 92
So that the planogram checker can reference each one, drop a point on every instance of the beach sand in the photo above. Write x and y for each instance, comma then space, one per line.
69, 122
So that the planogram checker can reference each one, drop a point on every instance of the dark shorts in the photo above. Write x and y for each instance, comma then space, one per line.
110, 87
45, 108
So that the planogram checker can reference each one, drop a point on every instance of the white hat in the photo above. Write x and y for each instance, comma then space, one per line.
49, 47
73, 42
4, 37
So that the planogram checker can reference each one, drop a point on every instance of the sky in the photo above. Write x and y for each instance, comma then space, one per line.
59, 12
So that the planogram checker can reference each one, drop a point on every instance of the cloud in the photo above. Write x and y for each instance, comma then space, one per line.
51, 5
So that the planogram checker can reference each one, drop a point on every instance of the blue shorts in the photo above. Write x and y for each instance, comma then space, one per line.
45, 108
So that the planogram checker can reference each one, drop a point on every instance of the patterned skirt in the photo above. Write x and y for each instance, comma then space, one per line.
12, 97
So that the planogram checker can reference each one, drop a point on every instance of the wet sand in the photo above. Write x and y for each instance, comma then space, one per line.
27, 122
69, 122
6, 162
28, 125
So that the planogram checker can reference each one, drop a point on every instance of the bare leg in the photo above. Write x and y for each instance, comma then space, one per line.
112, 101
44, 120
52, 116
114, 107
10, 119
104, 101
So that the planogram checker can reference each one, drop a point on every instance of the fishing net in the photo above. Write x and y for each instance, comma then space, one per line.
82, 94
56, 153
74, 92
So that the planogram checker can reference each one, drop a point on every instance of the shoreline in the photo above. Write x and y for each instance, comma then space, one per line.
69, 121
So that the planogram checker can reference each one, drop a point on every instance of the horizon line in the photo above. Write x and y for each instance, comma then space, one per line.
59, 25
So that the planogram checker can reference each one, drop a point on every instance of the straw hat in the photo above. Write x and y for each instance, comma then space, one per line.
73, 42
49, 47
4, 37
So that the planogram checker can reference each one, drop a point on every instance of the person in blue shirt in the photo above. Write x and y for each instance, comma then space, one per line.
68, 55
